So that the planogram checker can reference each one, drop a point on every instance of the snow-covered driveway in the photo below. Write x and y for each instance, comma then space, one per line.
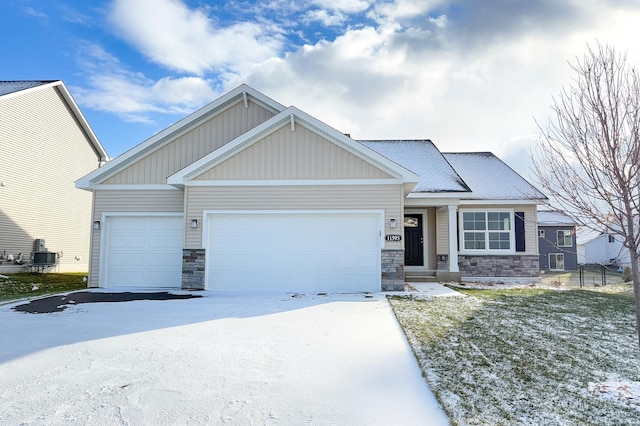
220, 359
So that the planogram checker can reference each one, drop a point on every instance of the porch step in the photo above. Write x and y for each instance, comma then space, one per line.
420, 276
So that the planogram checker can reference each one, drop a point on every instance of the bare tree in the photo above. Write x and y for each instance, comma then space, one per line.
588, 158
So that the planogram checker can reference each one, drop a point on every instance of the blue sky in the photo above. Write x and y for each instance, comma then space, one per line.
469, 75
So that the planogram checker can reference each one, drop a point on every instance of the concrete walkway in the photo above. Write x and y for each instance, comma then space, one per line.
435, 289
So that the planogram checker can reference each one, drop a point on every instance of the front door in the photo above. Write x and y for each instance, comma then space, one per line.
413, 240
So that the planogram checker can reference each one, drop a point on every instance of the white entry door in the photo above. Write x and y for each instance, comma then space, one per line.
294, 251
142, 251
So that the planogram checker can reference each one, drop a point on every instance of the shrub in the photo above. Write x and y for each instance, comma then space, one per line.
626, 274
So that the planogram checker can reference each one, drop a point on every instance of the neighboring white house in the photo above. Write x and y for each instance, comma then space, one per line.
602, 248
45, 145
246, 194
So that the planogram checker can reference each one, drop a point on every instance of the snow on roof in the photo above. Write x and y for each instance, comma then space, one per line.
490, 178
424, 159
7, 87
552, 218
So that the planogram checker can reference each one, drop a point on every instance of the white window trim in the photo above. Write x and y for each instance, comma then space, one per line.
549, 260
564, 231
487, 251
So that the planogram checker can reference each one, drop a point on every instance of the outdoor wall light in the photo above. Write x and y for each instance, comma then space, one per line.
392, 223
96, 224
194, 223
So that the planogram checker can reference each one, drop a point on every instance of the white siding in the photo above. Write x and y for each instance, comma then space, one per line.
43, 150
302, 154
129, 201
185, 149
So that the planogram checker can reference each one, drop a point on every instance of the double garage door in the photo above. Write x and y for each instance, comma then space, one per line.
293, 251
288, 251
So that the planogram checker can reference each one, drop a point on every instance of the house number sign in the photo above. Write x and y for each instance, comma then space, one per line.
393, 237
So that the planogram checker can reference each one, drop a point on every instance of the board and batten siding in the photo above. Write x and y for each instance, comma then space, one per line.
301, 154
43, 151
129, 201
189, 147
299, 197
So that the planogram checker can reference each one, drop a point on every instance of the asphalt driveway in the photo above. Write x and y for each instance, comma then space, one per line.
218, 359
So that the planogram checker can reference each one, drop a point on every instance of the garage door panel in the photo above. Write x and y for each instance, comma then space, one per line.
294, 251
143, 251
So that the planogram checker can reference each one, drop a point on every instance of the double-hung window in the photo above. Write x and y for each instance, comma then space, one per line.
487, 231
565, 239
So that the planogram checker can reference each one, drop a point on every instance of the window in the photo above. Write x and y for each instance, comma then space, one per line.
411, 222
565, 238
540, 233
556, 261
487, 231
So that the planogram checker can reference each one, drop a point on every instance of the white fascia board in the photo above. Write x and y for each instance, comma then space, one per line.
464, 202
293, 182
135, 187
431, 202
159, 138
278, 121
31, 89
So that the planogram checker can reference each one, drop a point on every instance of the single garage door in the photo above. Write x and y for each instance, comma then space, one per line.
142, 251
294, 251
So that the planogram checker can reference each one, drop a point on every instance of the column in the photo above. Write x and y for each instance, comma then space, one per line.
453, 239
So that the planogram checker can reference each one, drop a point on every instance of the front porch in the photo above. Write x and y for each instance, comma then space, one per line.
431, 246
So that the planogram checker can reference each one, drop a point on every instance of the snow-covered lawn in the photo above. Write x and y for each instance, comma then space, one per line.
221, 359
528, 356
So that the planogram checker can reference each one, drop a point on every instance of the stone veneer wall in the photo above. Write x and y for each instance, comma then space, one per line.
392, 270
443, 262
193, 269
522, 266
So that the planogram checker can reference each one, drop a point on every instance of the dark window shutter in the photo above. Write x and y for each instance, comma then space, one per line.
519, 228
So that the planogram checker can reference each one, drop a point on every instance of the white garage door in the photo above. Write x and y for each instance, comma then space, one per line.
142, 251
294, 251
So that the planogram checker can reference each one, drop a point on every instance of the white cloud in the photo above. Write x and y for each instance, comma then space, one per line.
415, 75
471, 77
348, 6
132, 96
188, 40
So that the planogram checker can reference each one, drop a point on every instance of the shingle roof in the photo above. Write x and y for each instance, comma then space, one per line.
423, 158
7, 87
473, 175
490, 178
553, 218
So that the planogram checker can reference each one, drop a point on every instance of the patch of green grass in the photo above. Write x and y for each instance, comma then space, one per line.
22, 285
524, 356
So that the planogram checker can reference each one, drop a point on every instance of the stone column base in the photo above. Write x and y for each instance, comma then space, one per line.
392, 270
193, 269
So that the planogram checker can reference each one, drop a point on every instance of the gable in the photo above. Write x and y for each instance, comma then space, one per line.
287, 155
193, 145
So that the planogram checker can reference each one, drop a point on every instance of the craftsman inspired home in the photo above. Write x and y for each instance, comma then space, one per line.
45, 144
246, 194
